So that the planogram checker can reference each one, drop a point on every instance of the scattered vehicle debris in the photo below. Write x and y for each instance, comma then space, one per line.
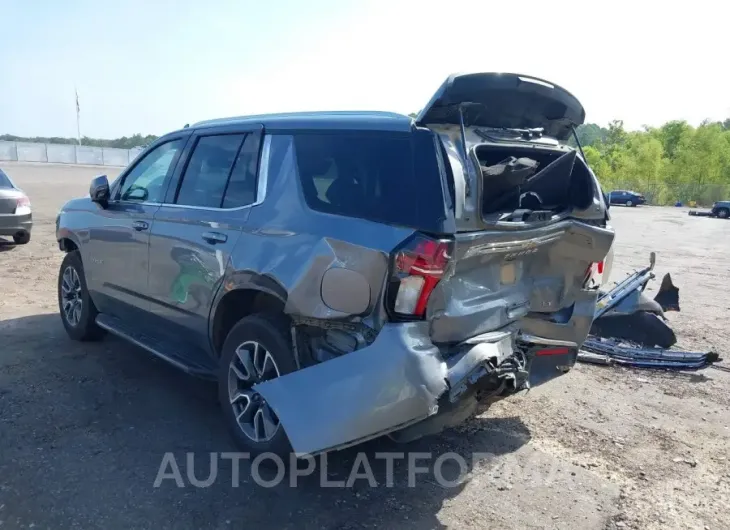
720, 209
629, 328
612, 351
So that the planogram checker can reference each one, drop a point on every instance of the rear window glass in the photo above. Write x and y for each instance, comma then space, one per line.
386, 178
4, 180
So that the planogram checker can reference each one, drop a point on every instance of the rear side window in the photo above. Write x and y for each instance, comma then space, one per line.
207, 172
388, 178
4, 180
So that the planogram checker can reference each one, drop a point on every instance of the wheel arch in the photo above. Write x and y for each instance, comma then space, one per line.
238, 299
67, 241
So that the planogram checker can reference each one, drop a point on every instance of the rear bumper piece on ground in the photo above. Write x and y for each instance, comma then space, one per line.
629, 326
398, 381
11, 224
610, 351
700, 213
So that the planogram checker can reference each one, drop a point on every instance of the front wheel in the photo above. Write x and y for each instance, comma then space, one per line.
78, 312
257, 349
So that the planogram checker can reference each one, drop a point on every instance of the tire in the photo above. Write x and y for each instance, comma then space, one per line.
22, 239
723, 213
272, 334
82, 325
629, 203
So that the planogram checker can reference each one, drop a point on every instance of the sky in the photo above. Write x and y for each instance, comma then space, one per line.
152, 66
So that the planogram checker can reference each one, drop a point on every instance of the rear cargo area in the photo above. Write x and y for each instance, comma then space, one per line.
531, 183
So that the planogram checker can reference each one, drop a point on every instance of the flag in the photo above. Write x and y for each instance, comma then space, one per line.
78, 109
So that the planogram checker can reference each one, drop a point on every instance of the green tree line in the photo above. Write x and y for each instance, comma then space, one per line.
125, 142
674, 162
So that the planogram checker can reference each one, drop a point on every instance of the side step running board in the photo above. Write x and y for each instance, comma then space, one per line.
166, 351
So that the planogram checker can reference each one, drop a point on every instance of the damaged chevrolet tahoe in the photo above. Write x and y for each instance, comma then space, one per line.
348, 275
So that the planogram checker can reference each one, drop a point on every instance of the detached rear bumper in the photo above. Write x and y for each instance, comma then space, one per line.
11, 224
398, 381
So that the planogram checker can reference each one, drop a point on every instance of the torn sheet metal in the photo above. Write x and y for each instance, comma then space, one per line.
630, 285
609, 351
395, 382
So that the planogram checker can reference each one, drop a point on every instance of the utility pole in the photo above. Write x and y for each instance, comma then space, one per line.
78, 117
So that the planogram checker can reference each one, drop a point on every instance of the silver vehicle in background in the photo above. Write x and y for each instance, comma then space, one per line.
16, 219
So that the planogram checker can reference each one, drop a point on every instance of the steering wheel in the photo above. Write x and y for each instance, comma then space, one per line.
136, 192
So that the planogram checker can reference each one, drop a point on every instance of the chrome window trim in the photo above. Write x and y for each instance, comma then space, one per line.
261, 187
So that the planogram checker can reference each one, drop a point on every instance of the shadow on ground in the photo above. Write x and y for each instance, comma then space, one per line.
6, 245
84, 428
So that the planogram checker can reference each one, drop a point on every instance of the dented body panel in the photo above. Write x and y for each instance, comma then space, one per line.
392, 383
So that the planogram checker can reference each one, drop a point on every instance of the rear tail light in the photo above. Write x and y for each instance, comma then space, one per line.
418, 267
22, 205
594, 276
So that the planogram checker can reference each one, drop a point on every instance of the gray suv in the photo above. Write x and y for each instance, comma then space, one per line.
347, 275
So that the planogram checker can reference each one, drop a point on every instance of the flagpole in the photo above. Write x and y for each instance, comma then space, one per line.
78, 118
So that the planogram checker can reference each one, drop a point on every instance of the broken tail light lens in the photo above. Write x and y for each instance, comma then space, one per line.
22, 206
418, 266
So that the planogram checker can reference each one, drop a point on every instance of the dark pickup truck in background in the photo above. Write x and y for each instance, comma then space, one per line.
720, 209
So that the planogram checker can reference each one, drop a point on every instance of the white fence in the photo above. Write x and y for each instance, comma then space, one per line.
66, 154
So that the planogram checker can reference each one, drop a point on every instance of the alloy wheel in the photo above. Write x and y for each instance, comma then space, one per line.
71, 295
252, 364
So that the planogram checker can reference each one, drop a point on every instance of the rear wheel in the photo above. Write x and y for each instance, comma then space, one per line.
22, 238
723, 213
257, 349
78, 312
629, 203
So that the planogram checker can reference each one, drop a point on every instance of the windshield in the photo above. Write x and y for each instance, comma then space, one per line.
5, 181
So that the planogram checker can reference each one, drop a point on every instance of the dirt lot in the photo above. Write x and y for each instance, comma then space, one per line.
84, 427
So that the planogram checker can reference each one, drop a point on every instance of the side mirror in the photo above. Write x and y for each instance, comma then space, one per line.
99, 191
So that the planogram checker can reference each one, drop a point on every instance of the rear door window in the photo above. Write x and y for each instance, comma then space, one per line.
388, 178
207, 172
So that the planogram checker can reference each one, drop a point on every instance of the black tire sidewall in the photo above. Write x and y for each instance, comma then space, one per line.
86, 328
272, 332
22, 240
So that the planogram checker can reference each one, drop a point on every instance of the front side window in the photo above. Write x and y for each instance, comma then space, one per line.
144, 183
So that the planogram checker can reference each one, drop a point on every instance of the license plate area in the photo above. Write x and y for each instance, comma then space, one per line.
548, 363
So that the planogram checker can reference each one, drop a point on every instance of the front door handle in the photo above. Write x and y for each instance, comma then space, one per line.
140, 225
214, 237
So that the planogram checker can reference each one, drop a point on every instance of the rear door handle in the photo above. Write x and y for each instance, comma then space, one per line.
214, 237
140, 225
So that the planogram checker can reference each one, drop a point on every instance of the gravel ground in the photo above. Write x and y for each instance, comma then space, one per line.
84, 427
